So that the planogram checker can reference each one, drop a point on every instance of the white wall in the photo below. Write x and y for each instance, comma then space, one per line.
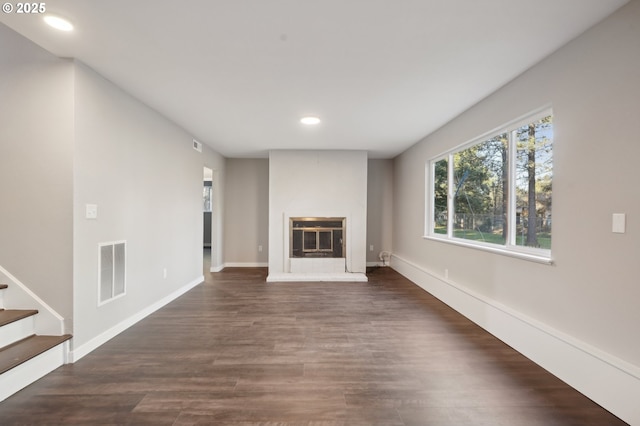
317, 183
217, 164
379, 209
247, 212
587, 299
36, 169
146, 179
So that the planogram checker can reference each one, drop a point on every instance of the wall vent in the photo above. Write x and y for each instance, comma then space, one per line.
111, 270
197, 145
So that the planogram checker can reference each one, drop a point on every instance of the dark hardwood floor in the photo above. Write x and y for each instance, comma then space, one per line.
238, 351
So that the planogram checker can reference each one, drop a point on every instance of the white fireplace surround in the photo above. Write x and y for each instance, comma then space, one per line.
317, 269
317, 184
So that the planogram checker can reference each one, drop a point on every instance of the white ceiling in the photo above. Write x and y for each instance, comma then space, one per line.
381, 74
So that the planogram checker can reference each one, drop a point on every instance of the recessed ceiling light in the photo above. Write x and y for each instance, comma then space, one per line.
58, 23
310, 120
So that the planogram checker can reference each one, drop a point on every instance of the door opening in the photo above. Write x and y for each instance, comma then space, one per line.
207, 213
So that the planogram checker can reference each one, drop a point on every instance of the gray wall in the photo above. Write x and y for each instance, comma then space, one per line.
590, 294
142, 172
246, 212
379, 208
36, 169
70, 138
217, 164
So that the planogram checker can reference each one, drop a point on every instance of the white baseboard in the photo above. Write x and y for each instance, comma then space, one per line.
607, 380
239, 265
79, 352
317, 277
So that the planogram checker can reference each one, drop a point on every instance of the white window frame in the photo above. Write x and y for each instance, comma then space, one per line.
510, 248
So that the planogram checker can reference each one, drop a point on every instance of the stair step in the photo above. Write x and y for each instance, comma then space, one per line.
25, 349
7, 316
3, 286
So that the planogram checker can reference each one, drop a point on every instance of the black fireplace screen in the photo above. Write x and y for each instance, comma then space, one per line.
317, 237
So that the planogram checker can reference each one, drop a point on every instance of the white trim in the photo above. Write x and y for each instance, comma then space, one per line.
35, 368
515, 123
19, 296
606, 379
512, 198
492, 248
317, 277
217, 230
244, 265
378, 264
17, 330
529, 253
114, 296
79, 352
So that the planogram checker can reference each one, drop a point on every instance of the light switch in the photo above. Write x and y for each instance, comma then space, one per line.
619, 223
91, 211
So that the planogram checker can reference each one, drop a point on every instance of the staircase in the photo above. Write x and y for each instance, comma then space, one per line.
24, 356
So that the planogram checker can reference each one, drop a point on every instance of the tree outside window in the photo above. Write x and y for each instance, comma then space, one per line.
497, 190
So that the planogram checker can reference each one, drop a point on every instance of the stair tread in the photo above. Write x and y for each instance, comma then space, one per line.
7, 316
25, 349
3, 286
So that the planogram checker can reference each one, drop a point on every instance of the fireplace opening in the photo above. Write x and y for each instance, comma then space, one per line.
317, 236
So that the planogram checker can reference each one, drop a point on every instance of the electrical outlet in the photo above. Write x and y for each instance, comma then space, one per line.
260, 248
371, 247
164, 273
446, 274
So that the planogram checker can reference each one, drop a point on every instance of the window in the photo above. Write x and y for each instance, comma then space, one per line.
496, 191
207, 196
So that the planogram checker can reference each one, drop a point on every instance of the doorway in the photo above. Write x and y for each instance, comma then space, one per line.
207, 216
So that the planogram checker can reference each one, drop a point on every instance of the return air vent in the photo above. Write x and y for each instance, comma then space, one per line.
197, 145
112, 270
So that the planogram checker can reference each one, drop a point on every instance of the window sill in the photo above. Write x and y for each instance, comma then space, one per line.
501, 250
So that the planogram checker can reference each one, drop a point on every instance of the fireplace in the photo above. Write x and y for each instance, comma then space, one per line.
317, 237
317, 215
